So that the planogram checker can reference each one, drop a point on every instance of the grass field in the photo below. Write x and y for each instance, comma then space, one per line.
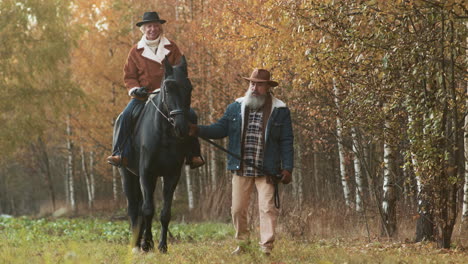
79, 240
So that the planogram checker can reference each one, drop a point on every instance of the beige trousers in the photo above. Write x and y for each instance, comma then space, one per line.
241, 189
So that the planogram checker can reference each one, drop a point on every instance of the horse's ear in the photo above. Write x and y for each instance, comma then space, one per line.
168, 71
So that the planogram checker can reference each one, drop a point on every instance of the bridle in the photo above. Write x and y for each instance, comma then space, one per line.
172, 113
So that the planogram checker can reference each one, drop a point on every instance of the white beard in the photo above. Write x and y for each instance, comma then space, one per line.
254, 102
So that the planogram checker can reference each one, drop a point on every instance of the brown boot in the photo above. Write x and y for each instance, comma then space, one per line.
117, 161
196, 162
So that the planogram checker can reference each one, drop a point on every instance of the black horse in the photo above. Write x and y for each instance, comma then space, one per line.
159, 147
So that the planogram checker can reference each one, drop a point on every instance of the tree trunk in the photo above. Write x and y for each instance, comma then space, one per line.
87, 178
191, 204
369, 170
464, 221
213, 163
48, 173
448, 179
70, 167
315, 164
114, 185
357, 171
341, 152
91, 175
389, 195
297, 181
425, 222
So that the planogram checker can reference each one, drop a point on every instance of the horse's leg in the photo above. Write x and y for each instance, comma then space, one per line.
147, 184
131, 186
170, 183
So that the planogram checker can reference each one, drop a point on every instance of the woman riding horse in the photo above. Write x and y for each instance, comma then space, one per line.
160, 144
143, 73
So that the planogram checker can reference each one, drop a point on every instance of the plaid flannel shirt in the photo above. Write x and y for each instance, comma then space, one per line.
253, 147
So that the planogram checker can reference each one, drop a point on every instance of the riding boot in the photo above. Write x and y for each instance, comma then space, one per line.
123, 143
194, 157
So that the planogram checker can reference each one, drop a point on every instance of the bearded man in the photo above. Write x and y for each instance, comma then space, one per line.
260, 131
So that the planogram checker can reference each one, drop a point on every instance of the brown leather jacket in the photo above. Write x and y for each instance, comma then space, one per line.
141, 68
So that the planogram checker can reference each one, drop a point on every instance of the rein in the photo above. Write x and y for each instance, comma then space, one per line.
172, 113
275, 178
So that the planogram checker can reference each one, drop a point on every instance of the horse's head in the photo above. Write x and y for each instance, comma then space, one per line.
176, 91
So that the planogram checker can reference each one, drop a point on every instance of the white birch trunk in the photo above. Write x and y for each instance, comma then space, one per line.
70, 166
406, 186
464, 225
213, 168
114, 184
414, 162
188, 179
424, 224
339, 129
213, 163
87, 178
389, 198
91, 175
66, 184
464, 222
357, 171
369, 168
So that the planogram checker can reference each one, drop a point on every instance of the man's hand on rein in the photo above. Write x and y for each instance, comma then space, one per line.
193, 130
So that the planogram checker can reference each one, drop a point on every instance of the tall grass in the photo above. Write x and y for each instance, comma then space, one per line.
88, 240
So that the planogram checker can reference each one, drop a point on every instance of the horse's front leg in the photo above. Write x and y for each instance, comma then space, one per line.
170, 184
131, 186
147, 184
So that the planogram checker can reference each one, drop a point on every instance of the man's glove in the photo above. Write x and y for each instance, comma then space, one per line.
287, 177
140, 92
193, 130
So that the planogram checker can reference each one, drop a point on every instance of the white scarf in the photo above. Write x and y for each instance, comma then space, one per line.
152, 44
158, 52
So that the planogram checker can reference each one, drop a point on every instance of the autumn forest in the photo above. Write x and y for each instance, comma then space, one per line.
377, 92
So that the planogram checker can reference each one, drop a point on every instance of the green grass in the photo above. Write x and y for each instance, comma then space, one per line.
24, 240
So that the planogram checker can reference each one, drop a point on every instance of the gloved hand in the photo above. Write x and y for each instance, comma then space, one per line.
140, 92
193, 130
287, 177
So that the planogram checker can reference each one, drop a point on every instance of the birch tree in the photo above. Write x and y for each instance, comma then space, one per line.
191, 201
70, 166
341, 151
357, 171
91, 175
389, 192
464, 224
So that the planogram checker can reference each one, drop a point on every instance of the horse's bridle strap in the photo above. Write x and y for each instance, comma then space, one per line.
176, 112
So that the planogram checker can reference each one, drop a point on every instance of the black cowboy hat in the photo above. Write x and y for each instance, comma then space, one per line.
150, 17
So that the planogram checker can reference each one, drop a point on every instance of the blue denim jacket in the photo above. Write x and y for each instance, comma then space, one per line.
278, 150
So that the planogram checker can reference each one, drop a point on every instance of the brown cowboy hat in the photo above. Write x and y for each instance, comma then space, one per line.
261, 75
150, 17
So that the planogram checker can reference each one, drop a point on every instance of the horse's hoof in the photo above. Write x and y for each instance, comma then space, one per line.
162, 248
147, 246
136, 250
